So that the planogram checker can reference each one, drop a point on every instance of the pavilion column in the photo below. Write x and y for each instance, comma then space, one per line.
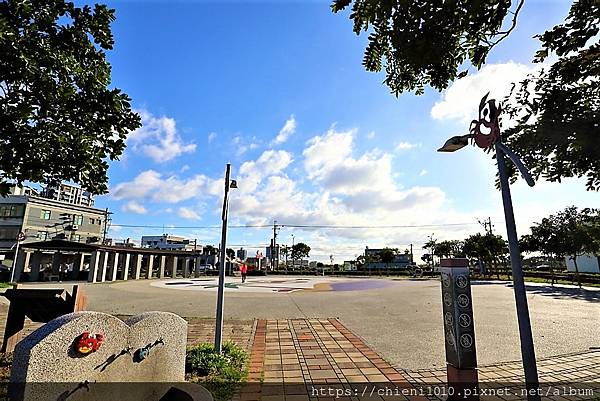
161, 272
126, 267
186, 267
138, 265
94, 265
174, 261
27, 261
78, 264
197, 268
150, 266
36, 262
115, 267
56, 261
19, 266
104, 266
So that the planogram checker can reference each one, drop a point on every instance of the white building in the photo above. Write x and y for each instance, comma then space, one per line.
68, 193
169, 242
585, 264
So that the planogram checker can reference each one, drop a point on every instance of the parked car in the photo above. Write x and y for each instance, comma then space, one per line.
543, 268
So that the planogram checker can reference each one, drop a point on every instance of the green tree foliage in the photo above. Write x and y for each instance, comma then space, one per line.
488, 248
557, 112
300, 251
59, 120
387, 255
568, 233
449, 248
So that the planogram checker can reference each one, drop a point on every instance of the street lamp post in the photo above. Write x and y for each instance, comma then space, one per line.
221, 290
488, 119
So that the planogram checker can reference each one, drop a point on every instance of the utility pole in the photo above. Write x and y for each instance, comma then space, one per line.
274, 251
107, 221
411, 254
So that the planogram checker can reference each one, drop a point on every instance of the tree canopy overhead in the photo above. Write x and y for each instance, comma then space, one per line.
59, 119
557, 112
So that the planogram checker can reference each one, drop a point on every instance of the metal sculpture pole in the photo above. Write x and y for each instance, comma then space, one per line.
526, 336
485, 133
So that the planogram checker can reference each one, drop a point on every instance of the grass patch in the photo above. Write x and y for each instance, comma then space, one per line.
6, 285
222, 374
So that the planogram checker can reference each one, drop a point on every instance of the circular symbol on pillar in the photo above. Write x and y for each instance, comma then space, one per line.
461, 281
464, 320
463, 301
450, 338
447, 299
448, 318
466, 341
446, 279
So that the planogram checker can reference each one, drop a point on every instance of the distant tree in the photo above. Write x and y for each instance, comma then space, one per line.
210, 250
230, 253
300, 251
431, 245
487, 248
59, 118
556, 113
568, 233
451, 248
388, 255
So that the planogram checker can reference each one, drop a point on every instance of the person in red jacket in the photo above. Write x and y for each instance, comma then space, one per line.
244, 272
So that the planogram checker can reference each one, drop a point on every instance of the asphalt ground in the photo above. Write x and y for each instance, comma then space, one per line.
401, 320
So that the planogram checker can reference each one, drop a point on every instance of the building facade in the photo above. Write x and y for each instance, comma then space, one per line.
68, 193
169, 242
41, 219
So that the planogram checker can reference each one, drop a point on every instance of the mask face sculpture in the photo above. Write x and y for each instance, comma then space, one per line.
89, 343
488, 119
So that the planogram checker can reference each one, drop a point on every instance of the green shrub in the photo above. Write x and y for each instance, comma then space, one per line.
221, 374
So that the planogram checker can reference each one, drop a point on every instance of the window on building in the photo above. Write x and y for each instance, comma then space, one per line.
78, 220
11, 210
9, 232
92, 221
42, 235
75, 237
45, 215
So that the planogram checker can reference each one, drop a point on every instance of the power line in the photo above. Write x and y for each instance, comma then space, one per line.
318, 226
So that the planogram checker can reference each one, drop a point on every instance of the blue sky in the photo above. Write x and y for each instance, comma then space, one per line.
220, 81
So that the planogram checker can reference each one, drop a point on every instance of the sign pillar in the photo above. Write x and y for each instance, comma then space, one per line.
459, 330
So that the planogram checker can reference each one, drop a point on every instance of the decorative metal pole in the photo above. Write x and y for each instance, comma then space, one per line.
527, 348
221, 289
491, 139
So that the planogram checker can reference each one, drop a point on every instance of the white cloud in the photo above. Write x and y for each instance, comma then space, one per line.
288, 129
211, 137
371, 135
405, 146
158, 138
134, 207
270, 162
188, 213
461, 100
151, 185
423, 173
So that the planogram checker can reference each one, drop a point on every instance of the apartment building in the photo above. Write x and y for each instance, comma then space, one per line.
68, 193
26, 211
169, 242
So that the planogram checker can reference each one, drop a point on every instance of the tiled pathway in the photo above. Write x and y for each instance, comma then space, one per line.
579, 372
316, 359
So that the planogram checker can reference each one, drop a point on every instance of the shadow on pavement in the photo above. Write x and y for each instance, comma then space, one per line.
564, 292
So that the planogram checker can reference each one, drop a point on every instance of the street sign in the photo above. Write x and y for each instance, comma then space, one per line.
21, 237
458, 314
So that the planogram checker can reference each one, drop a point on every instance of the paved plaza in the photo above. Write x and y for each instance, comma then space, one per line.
361, 335
401, 319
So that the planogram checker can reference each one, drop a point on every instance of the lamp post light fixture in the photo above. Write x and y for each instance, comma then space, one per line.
489, 121
229, 183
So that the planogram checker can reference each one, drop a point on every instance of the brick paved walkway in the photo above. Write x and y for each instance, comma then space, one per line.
579, 371
316, 359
